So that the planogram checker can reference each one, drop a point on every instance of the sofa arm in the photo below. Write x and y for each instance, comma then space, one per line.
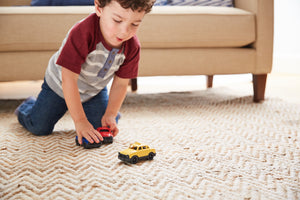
15, 2
264, 11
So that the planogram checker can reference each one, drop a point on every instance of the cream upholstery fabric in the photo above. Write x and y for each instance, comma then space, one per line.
175, 40
175, 27
200, 26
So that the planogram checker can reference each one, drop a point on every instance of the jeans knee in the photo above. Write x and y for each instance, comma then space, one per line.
35, 128
40, 131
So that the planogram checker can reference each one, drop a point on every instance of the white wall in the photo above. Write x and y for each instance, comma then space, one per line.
286, 36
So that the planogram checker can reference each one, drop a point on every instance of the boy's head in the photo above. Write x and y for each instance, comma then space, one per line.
120, 19
134, 5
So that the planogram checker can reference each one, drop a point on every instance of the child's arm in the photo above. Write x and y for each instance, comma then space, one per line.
72, 98
116, 97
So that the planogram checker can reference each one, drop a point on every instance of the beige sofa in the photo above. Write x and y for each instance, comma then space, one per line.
175, 40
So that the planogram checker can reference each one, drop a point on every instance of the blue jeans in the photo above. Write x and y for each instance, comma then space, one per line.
40, 116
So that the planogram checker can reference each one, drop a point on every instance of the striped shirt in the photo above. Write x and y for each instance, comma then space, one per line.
85, 52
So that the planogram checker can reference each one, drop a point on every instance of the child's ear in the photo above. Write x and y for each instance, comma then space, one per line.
98, 10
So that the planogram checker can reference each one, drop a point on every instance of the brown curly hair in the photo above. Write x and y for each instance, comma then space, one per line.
139, 5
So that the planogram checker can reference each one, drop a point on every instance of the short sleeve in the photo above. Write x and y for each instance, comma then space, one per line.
129, 69
75, 49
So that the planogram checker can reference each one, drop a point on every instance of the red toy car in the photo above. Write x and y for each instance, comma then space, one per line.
106, 134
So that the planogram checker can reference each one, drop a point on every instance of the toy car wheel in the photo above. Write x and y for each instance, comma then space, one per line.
86, 146
91, 145
77, 143
111, 140
108, 140
134, 159
150, 156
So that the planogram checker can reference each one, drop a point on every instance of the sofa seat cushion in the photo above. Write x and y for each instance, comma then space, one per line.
197, 26
37, 28
44, 28
62, 2
228, 3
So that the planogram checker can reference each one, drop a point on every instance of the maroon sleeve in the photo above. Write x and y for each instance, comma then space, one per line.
76, 47
129, 69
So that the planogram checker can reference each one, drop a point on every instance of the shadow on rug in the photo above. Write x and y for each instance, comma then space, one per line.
209, 145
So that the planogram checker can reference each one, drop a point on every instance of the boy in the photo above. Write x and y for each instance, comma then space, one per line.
98, 48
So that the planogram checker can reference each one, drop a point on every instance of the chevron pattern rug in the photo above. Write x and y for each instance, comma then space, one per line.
210, 145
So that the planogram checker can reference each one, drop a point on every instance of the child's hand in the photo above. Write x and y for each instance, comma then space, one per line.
110, 121
86, 130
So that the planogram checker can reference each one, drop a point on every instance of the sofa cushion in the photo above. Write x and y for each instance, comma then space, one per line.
15, 2
37, 28
227, 3
197, 26
44, 28
61, 2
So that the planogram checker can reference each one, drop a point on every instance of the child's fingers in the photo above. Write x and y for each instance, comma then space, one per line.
111, 123
89, 138
98, 135
93, 136
80, 139
86, 134
115, 131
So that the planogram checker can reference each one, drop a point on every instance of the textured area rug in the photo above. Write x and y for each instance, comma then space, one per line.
209, 144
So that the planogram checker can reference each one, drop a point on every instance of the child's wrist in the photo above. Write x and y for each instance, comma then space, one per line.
110, 114
79, 120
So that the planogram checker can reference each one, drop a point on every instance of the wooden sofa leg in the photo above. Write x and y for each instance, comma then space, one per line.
209, 81
133, 83
259, 86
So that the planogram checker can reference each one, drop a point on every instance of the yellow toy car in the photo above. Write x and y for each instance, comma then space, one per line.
136, 152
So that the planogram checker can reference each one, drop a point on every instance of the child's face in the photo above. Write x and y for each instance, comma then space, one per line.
118, 24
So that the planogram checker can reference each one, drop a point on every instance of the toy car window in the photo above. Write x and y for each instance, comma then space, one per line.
140, 148
144, 147
133, 147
